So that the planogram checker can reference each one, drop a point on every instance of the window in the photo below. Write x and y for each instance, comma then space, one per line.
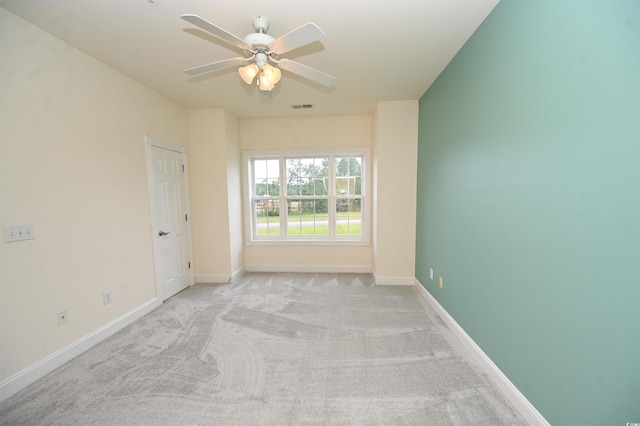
307, 197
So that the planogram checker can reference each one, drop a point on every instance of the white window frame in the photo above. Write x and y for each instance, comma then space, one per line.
336, 240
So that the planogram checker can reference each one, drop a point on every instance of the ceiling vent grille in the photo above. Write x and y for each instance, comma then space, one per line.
302, 106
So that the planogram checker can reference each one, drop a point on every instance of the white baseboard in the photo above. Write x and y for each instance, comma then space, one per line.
213, 279
237, 274
392, 280
519, 402
309, 268
220, 279
20, 380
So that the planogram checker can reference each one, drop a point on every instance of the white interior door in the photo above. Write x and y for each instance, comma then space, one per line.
171, 240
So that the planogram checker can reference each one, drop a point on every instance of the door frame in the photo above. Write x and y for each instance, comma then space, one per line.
149, 144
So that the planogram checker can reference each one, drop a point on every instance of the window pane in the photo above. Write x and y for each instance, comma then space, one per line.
349, 176
321, 177
294, 181
349, 216
307, 176
267, 177
307, 217
320, 185
267, 217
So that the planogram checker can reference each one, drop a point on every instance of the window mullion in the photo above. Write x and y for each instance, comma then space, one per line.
332, 197
284, 211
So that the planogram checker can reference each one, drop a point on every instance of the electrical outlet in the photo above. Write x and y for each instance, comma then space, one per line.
441, 282
14, 233
106, 297
63, 317
431, 273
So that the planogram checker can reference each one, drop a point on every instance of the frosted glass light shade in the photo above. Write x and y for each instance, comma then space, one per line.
248, 73
265, 84
273, 74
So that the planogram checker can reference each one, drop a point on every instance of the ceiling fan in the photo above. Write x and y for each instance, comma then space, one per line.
261, 50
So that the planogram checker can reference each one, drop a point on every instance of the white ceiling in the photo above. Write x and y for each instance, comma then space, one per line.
377, 50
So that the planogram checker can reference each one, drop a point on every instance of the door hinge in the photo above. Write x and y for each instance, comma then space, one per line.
186, 218
189, 265
183, 167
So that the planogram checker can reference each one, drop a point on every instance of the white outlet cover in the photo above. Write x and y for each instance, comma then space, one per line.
63, 317
13, 233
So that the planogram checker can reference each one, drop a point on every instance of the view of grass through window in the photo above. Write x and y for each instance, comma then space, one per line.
322, 197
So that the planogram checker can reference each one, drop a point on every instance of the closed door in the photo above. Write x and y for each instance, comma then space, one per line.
170, 242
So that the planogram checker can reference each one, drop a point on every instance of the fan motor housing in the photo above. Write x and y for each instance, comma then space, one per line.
259, 40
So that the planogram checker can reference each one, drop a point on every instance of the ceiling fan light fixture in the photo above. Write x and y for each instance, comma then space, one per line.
273, 74
264, 83
260, 49
249, 72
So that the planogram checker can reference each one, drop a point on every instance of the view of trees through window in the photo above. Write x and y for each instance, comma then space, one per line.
322, 196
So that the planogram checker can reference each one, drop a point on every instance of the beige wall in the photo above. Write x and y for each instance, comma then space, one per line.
395, 156
350, 131
73, 164
211, 141
307, 133
234, 188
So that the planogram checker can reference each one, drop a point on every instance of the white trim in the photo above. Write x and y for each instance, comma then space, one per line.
517, 399
309, 268
392, 280
19, 381
311, 242
213, 279
187, 210
219, 279
165, 145
237, 274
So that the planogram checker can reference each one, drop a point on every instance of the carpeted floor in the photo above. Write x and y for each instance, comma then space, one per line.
272, 349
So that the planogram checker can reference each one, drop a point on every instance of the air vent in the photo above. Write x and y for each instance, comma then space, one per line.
302, 106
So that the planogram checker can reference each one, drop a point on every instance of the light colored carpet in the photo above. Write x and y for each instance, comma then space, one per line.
272, 349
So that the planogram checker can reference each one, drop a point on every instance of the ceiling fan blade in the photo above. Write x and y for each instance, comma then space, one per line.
308, 33
214, 66
216, 31
307, 72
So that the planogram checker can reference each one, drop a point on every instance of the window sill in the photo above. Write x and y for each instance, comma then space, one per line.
309, 242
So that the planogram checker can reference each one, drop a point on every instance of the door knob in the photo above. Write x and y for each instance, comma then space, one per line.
162, 233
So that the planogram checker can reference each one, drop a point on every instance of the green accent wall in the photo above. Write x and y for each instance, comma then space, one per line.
529, 202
